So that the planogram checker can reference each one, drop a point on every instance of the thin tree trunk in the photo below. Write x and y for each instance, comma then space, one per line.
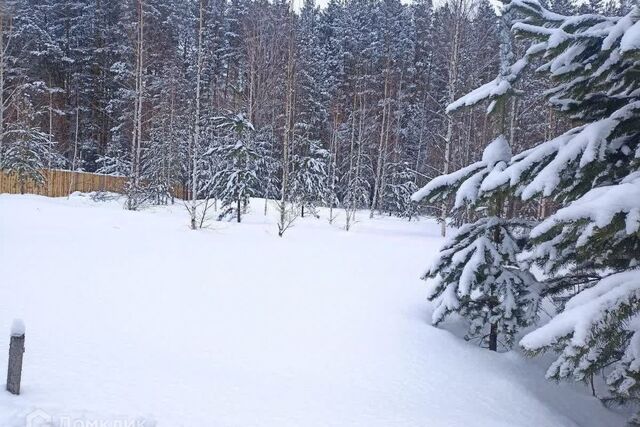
421, 137
396, 147
333, 164
196, 132
451, 92
493, 337
137, 114
289, 114
2, 65
381, 145
252, 83
49, 183
349, 199
513, 122
361, 118
140, 95
493, 329
172, 141
72, 182
350, 190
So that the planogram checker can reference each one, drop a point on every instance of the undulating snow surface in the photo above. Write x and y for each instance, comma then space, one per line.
131, 316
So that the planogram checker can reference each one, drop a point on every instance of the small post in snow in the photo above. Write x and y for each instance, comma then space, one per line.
16, 350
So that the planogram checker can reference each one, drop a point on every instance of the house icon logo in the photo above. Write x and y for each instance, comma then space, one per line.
38, 418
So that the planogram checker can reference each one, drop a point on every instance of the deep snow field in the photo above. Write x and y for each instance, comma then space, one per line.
131, 316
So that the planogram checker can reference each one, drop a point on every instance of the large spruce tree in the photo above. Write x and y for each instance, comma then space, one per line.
588, 250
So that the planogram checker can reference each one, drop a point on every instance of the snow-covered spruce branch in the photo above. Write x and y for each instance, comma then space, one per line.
588, 337
465, 184
478, 276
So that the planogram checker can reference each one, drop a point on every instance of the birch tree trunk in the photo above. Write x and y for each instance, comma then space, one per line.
359, 155
284, 222
72, 181
136, 134
451, 93
350, 190
196, 130
140, 95
49, 183
333, 151
384, 135
2, 65
50, 123
172, 136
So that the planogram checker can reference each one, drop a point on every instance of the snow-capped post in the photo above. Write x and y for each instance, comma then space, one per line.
16, 350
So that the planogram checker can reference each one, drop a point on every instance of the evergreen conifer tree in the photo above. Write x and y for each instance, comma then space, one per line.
588, 249
476, 273
309, 174
236, 177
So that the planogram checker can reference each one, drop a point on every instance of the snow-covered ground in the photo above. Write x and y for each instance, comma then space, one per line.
132, 317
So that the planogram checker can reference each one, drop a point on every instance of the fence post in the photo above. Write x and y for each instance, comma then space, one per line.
16, 350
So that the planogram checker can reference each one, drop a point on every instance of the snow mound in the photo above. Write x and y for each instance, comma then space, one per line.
497, 151
17, 328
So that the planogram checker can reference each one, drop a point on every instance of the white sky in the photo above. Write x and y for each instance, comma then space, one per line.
323, 3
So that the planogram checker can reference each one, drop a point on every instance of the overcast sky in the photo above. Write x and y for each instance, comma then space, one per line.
323, 3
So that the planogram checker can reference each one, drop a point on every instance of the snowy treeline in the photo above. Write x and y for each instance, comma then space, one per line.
346, 104
583, 258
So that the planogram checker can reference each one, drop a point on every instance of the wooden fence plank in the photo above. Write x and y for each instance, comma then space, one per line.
60, 183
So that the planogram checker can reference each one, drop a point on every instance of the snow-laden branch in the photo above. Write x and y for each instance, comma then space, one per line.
466, 183
574, 149
592, 309
599, 206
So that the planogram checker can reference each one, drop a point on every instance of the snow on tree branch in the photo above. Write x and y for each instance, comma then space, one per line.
599, 207
466, 183
579, 327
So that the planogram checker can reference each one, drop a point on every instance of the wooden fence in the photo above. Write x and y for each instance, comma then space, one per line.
60, 183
